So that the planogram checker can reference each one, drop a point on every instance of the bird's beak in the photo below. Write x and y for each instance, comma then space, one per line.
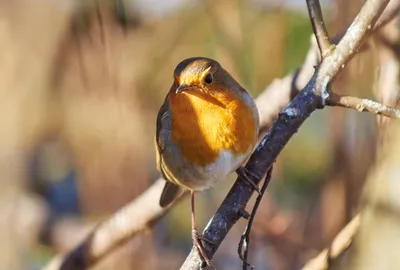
181, 88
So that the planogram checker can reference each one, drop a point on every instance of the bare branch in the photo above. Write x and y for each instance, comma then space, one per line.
115, 231
318, 24
284, 127
363, 105
339, 245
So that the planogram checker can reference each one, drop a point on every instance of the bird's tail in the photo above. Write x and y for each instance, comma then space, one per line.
169, 194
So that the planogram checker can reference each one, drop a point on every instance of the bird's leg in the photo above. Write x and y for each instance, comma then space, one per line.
244, 174
196, 236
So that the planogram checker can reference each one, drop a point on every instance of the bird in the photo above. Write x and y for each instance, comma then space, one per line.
206, 129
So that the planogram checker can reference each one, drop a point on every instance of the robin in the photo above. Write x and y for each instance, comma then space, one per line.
206, 128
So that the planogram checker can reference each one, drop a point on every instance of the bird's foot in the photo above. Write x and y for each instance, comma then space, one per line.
197, 238
245, 175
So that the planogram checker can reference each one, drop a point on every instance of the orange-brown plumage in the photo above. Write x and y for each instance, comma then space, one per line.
207, 126
210, 122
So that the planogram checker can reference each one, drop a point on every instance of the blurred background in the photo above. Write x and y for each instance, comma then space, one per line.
81, 83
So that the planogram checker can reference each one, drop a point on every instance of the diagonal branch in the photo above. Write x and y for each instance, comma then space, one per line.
112, 232
362, 105
318, 24
284, 127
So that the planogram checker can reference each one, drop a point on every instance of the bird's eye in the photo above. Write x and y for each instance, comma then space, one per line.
208, 79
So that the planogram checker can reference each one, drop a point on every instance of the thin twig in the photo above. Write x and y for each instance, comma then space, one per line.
244, 243
363, 105
318, 24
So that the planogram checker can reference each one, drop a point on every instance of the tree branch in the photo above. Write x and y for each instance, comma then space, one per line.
362, 105
284, 127
318, 24
113, 232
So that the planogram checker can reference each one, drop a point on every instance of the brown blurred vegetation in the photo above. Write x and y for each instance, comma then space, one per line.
81, 83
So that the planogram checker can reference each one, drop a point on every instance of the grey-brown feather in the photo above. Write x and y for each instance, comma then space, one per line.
170, 191
169, 194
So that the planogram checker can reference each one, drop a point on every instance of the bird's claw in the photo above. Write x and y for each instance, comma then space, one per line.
197, 238
244, 173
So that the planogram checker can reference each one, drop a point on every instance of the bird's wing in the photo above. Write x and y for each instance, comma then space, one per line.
170, 191
162, 116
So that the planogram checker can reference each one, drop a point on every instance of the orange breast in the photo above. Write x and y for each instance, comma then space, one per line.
203, 125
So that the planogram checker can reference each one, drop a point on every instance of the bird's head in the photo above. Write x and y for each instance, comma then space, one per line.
199, 74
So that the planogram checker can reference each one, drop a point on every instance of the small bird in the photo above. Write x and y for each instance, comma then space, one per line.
206, 128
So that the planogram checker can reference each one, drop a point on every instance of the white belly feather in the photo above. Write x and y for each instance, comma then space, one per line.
223, 166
